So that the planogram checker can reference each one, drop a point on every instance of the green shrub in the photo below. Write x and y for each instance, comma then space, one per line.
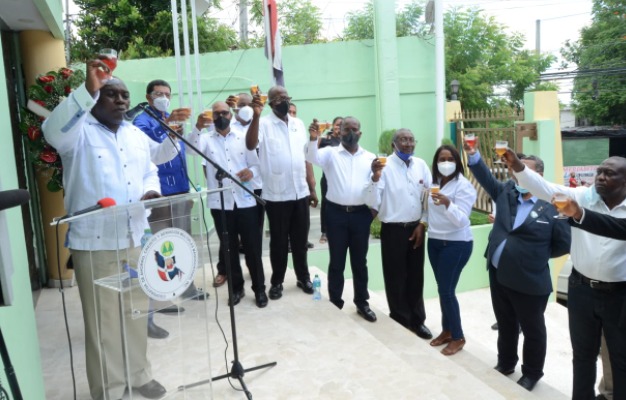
476, 218
385, 140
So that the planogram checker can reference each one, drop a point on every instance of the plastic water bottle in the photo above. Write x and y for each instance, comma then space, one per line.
147, 234
317, 288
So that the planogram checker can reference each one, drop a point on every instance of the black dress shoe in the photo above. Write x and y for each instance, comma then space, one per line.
423, 332
261, 299
276, 292
307, 287
152, 390
503, 370
527, 383
367, 313
156, 332
237, 296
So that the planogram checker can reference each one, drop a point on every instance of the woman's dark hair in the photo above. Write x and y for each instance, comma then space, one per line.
457, 159
335, 120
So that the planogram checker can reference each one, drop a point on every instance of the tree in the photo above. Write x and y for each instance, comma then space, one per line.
408, 22
139, 29
600, 53
479, 53
299, 22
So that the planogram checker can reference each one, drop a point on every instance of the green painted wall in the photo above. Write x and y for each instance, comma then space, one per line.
321, 89
18, 320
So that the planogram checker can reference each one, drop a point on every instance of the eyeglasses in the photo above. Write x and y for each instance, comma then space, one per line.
156, 94
280, 100
405, 140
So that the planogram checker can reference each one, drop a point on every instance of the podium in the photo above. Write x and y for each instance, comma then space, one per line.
122, 283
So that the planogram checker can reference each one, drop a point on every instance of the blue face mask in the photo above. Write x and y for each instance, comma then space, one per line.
521, 189
403, 156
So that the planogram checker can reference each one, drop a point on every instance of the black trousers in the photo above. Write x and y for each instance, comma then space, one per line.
260, 209
241, 222
403, 272
513, 310
348, 230
289, 222
324, 205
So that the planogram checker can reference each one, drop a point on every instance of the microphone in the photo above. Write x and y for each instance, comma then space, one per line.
133, 112
12, 198
102, 203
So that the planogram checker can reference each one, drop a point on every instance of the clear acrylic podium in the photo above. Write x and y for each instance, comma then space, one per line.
122, 287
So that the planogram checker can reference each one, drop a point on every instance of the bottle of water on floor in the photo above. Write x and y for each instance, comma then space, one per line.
317, 288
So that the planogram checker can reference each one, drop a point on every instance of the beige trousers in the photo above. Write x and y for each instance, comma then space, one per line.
115, 349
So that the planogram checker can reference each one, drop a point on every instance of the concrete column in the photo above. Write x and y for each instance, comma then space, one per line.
41, 53
387, 79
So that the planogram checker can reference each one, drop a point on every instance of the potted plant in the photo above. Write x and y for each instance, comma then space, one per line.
48, 91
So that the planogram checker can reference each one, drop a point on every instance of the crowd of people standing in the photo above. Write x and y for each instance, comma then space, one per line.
274, 154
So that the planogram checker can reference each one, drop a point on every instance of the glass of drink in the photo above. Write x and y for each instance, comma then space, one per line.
434, 188
560, 201
109, 58
382, 157
501, 146
207, 114
470, 139
254, 90
322, 126
176, 126
263, 98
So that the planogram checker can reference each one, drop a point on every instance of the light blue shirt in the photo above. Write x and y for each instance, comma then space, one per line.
523, 209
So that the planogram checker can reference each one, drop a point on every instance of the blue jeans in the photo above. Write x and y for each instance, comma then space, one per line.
592, 311
448, 259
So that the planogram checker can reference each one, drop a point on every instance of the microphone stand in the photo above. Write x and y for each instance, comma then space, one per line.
237, 371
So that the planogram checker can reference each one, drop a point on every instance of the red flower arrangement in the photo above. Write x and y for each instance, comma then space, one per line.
48, 91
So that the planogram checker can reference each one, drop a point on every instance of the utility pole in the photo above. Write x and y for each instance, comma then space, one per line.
243, 21
538, 37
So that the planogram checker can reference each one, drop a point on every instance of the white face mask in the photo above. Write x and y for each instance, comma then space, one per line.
162, 103
446, 168
245, 113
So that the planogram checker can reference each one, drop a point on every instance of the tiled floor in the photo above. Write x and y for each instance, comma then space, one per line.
321, 352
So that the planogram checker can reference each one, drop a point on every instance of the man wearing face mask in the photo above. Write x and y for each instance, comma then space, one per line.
519, 279
404, 223
347, 169
288, 186
226, 147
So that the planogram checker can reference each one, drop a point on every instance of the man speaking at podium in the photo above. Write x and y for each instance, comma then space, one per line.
105, 156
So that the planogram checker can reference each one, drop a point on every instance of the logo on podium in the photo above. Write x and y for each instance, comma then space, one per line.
167, 264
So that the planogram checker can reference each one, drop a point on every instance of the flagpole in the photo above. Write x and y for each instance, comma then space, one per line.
268, 42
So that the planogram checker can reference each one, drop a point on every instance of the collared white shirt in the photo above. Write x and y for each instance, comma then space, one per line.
347, 174
257, 182
281, 155
98, 163
230, 153
594, 256
399, 192
452, 223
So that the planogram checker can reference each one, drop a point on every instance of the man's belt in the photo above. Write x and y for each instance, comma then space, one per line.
595, 284
347, 209
411, 224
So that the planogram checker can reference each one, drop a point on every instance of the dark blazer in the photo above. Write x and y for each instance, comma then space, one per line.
602, 224
524, 262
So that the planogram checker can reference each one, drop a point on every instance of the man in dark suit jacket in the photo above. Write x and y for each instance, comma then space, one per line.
594, 222
524, 237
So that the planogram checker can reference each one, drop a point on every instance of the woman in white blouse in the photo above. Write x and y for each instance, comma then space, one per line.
449, 240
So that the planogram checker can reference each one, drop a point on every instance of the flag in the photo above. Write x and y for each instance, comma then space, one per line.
273, 41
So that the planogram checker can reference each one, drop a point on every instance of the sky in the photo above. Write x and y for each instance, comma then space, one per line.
560, 19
